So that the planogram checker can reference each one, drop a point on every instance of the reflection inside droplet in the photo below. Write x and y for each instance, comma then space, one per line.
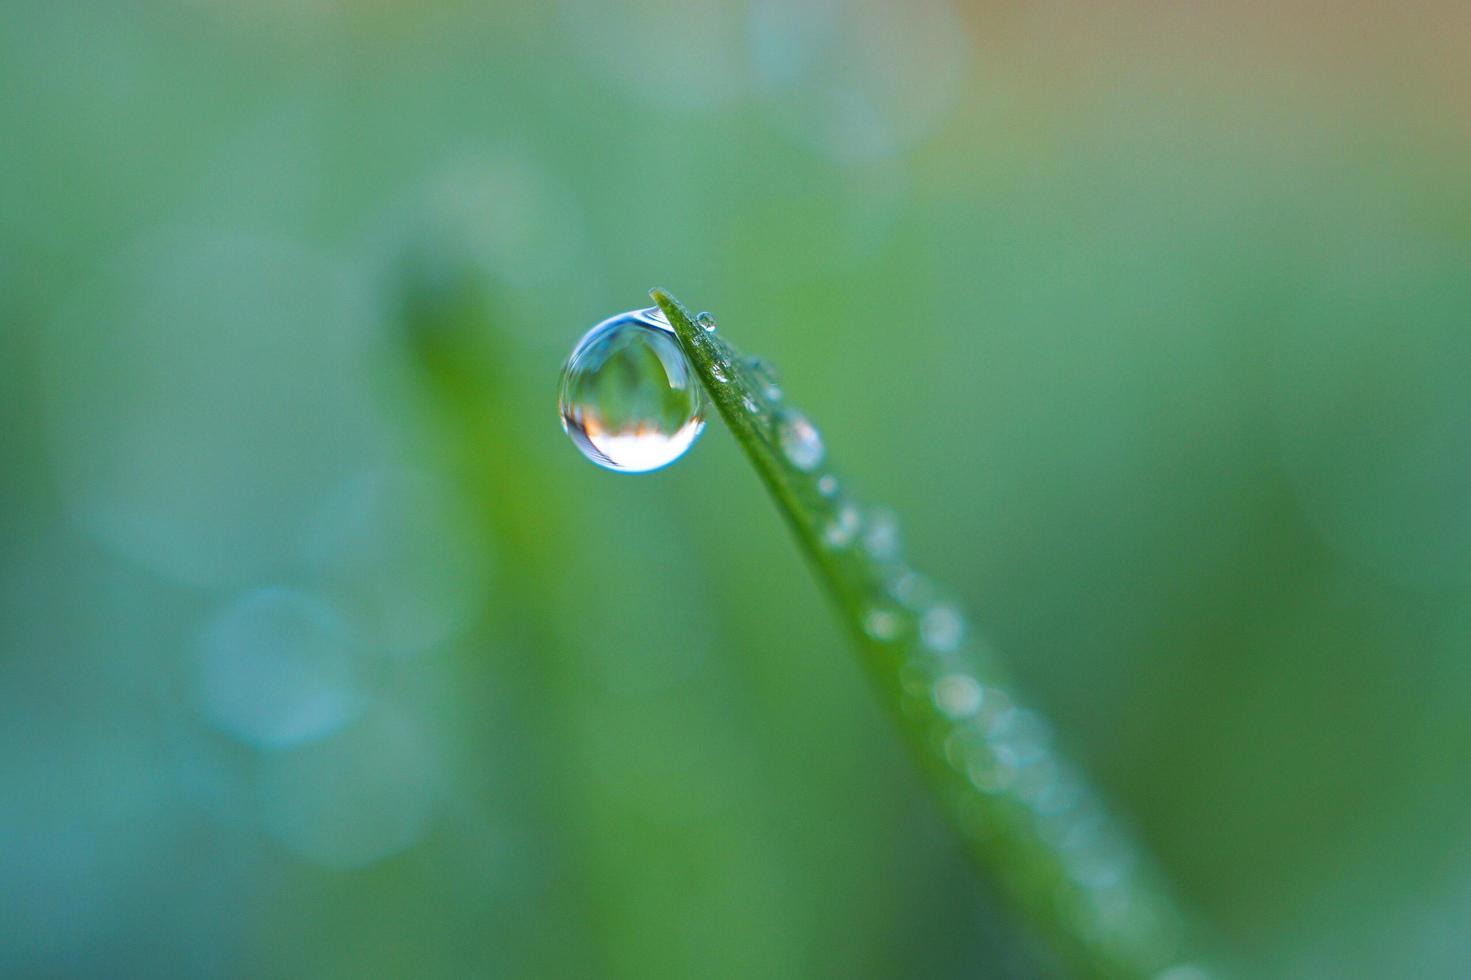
630, 400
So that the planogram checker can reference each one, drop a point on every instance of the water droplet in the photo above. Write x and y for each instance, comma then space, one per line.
961, 746
997, 711
827, 485
1021, 738
881, 624
942, 628
881, 535
718, 370
1063, 794
841, 530
1034, 779
1103, 861
911, 588
750, 404
1075, 830
989, 774
707, 321
800, 441
630, 400
957, 695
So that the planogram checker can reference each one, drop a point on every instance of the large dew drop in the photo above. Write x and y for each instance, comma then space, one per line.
630, 399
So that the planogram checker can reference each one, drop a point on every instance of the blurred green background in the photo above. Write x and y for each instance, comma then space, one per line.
323, 653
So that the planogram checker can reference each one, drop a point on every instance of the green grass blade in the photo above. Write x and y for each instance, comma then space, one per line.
1063, 863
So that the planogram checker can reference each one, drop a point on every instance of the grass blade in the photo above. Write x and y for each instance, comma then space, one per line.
1063, 863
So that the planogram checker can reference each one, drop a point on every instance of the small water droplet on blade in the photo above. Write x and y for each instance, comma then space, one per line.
801, 443
942, 628
881, 535
957, 695
841, 530
630, 400
881, 624
706, 321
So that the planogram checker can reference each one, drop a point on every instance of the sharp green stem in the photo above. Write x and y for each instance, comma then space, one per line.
1067, 868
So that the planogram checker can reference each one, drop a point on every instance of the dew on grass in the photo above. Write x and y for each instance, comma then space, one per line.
881, 535
843, 528
957, 695
911, 588
881, 624
942, 628
630, 400
800, 441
